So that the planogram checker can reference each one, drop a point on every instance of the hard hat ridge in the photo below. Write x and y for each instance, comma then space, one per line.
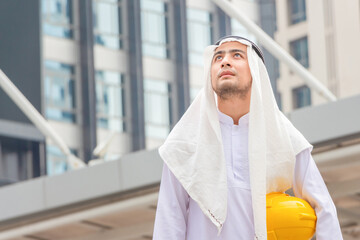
289, 217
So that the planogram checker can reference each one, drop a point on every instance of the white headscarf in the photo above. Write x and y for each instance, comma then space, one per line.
194, 151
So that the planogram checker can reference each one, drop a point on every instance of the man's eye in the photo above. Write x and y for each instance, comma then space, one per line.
237, 55
218, 57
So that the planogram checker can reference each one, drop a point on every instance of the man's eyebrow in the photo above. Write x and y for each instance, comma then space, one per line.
219, 52
237, 50
231, 51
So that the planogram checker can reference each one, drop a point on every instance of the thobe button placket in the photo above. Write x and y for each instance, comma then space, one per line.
239, 153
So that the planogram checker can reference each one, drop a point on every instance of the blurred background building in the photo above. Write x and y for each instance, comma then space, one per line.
124, 71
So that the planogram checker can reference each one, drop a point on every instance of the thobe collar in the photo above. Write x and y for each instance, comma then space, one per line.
226, 119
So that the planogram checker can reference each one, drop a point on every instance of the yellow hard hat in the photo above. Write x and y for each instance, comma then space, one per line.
289, 218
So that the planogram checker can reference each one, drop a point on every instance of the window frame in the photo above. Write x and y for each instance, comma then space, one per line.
52, 74
102, 114
98, 32
198, 53
305, 90
299, 42
146, 43
149, 123
300, 15
46, 20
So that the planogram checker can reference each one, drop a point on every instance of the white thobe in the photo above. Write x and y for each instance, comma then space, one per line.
178, 216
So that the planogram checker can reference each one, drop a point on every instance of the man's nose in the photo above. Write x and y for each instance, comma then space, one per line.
226, 61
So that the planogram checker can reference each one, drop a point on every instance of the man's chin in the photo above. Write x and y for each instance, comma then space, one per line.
227, 85
227, 90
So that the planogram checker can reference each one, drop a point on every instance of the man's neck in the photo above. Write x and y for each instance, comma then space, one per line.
234, 107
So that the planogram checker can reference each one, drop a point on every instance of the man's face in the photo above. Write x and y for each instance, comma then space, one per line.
230, 72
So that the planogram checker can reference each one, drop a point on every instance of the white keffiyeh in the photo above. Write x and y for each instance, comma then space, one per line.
194, 152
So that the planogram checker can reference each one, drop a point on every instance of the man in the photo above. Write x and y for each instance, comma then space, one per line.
227, 152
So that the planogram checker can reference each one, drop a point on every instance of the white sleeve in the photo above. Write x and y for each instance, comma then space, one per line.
172, 208
309, 185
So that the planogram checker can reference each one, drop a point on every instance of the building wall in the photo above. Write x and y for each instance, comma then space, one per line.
21, 144
332, 30
268, 23
347, 49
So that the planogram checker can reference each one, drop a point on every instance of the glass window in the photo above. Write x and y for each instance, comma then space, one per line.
157, 105
154, 28
297, 11
56, 161
301, 97
57, 18
16, 158
110, 100
199, 23
299, 50
107, 23
59, 87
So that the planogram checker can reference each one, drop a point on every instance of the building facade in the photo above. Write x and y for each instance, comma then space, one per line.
119, 69
323, 37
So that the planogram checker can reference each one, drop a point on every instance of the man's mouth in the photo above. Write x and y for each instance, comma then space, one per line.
226, 74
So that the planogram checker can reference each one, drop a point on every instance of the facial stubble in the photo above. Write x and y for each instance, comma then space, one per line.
229, 91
